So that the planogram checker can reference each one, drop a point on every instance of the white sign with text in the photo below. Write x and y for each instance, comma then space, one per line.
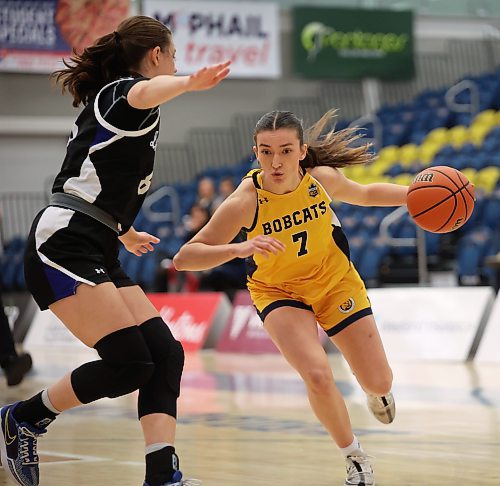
47, 330
207, 33
429, 323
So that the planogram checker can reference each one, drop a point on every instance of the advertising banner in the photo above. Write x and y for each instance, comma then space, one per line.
36, 35
348, 43
47, 331
212, 32
244, 332
195, 319
429, 323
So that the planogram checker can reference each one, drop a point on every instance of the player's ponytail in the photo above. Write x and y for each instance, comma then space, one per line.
111, 56
325, 145
333, 148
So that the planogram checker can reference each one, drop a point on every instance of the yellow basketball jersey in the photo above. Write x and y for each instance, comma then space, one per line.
316, 254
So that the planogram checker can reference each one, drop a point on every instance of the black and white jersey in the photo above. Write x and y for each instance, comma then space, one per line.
110, 153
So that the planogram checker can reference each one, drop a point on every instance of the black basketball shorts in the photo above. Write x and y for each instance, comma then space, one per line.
66, 248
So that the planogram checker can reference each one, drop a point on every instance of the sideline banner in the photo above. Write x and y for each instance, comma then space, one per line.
429, 323
212, 32
348, 43
195, 319
244, 332
489, 347
47, 330
36, 35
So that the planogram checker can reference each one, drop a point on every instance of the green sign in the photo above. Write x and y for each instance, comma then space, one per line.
346, 43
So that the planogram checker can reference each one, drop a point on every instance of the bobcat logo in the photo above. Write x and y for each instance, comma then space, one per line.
347, 306
313, 190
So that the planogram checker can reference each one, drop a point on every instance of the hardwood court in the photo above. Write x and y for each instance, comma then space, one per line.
245, 420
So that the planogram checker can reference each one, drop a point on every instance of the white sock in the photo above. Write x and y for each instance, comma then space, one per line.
46, 401
156, 447
352, 447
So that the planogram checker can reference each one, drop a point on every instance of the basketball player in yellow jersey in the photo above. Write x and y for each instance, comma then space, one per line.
299, 267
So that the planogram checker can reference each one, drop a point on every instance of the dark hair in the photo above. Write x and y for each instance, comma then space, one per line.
113, 55
333, 148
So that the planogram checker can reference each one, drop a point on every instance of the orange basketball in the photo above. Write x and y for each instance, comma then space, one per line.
440, 199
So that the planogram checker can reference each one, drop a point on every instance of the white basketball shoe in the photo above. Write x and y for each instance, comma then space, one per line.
383, 408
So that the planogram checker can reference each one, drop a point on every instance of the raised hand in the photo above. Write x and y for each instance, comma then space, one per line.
208, 77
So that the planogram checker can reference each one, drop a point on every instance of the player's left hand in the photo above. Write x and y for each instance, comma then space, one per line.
208, 77
138, 242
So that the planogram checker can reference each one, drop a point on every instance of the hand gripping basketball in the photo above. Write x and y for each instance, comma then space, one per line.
440, 199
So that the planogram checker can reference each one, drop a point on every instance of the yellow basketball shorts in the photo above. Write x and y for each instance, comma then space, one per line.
343, 304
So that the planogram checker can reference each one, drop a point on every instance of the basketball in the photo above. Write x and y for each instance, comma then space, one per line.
440, 199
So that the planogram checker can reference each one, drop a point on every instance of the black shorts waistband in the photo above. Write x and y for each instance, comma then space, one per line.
69, 201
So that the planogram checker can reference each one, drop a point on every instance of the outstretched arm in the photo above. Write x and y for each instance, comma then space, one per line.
160, 89
210, 247
341, 188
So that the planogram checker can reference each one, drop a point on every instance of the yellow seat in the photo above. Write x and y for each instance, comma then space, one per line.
487, 178
458, 135
477, 133
486, 117
403, 179
438, 136
378, 167
428, 151
408, 154
389, 154
471, 174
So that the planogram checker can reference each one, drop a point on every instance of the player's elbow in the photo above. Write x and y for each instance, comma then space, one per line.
180, 263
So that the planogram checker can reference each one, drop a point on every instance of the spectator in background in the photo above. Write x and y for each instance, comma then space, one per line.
14, 365
167, 278
206, 194
197, 218
226, 188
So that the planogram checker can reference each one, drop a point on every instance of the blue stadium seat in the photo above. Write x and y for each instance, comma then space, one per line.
371, 259
491, 213
468, 264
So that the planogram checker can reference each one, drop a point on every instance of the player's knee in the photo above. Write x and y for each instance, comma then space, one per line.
167, 353
379, 384
161, 393
174, 367
318, 379
126, 353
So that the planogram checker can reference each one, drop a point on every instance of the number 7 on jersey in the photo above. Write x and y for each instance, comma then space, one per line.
302, 238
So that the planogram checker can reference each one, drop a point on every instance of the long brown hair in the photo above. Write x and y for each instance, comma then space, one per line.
113, 55
333, 148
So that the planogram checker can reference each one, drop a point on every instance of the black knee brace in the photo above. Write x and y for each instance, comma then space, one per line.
160, 394
125, 366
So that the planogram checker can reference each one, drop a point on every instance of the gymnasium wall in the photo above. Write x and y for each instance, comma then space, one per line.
31, 150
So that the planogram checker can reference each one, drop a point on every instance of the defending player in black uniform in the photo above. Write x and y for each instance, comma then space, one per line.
71, 261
